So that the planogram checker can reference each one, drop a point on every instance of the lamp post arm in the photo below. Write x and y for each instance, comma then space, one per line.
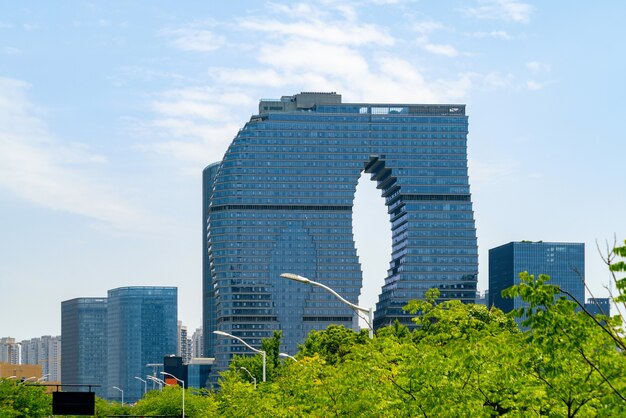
357, 307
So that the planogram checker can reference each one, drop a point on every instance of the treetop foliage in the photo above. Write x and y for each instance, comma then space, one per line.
459, 360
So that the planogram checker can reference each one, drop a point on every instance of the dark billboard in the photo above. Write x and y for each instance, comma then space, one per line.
73, 403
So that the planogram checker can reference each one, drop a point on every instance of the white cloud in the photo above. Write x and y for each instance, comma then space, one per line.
534, 85
507, 10
194, 39
441, 49
299, 47
496, 34
40, 169
194, 125
9, 50
427, 26
496, 80
537, 67
347, 33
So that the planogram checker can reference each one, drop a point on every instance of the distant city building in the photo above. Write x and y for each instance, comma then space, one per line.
281, 201
9, 351
184, 343
482, 298
197, 344
45, 351
563, 262
84, 349
141, 330
20, 372
195, 374
598, 306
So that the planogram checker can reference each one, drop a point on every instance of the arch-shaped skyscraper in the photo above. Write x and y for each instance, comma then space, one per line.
281, 201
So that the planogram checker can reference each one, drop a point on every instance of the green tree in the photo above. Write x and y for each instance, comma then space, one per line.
19, 399
333, 343
577, 362
198, 403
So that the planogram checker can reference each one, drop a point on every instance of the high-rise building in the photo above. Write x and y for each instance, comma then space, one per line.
84, 349
184, 343
598, 306
563, 262
45, 351
209, 315
9, 351
281, 200
141, 330
197, 344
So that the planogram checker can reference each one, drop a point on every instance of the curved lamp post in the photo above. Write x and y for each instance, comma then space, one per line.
28, 380
183, 383
225, 334
287, 356
145, 385
368, 311
115, 387
43, 378
157, 381
249, 374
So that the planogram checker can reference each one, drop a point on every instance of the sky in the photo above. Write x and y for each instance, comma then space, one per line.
110, 110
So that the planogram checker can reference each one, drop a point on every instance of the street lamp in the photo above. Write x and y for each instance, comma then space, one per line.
145, 385
288, 356
183, 383
44, 377
30, 378
225, 334
115, 387
249, 374
157, 381
368, 311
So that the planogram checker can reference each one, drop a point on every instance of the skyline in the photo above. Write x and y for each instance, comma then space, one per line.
108, 114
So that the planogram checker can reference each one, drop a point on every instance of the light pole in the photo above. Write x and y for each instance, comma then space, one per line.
157, 381
145, 385
249, 374
225, 334
30, 378
288, 356
115, 387
368, 311
183, 383
44, 377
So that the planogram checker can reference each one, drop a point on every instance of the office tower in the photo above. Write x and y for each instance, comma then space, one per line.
563, 262
84, 348
141, 330
281, 200
9, 351
197, 344
45, 351
598, 306
209, 318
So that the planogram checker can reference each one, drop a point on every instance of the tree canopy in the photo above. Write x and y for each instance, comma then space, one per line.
458, 360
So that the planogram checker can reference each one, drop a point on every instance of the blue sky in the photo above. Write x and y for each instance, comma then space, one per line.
110, 110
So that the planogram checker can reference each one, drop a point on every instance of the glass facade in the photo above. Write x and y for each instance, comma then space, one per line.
141, 330
84, 347
281, 201
563, 262
209, 319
